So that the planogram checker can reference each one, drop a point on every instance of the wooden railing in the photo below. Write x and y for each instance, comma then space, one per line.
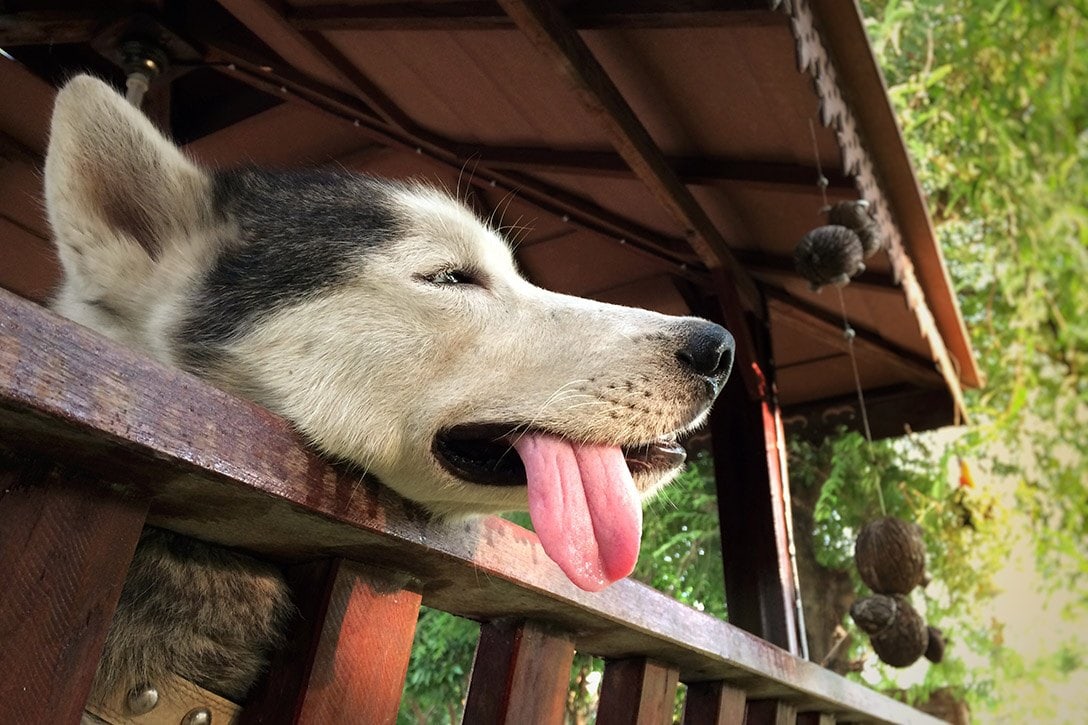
96, 440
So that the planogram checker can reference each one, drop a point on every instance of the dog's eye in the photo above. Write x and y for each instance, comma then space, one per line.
448, 277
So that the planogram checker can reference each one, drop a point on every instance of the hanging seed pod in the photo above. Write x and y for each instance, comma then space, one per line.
897, 632
828, 255
935, 646
890, 555
854, 215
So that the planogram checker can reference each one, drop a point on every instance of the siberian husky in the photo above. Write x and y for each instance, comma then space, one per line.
391, 327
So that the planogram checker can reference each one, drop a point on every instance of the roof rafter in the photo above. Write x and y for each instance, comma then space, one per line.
483, 14
548, 30
692, 170
808, 319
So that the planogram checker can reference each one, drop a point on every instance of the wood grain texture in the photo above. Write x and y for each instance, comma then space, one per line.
751, 509
229, 472
64, 549
713, 703
770, 712
361, 641
637, 692
521, 674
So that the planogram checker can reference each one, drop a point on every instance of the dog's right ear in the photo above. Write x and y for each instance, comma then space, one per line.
112, 178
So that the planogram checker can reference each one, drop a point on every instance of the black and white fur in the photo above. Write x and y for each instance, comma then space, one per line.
373, 315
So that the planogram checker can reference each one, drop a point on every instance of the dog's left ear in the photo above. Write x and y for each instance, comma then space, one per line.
112, 179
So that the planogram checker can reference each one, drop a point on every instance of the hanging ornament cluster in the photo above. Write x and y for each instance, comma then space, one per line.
835, 252
890, 556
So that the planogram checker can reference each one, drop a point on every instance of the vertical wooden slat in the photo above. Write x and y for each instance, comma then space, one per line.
770, 712
348, 657
521, 674
65, 546
815, 718
637, 692
713, 703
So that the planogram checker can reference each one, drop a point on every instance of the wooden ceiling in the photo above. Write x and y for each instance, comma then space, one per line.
651, 152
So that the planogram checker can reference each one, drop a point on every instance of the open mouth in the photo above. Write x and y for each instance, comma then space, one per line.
484, 454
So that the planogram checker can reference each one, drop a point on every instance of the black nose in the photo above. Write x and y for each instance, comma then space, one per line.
708, 350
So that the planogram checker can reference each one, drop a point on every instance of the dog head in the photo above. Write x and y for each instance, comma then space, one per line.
387, 323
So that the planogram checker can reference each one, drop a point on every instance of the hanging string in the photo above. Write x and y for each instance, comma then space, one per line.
849, 333
821, 180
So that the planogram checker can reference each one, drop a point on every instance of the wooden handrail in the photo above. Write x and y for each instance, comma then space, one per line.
230, 472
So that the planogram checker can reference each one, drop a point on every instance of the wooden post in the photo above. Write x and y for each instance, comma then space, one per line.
349, 656
637, 692
754, 516
770, 712
65, 547
713, 703
521, 674
815, 718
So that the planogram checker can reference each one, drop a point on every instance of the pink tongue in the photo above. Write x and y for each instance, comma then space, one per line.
584, 507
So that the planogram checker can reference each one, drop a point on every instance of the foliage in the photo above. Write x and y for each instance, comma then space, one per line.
439, 668
682, 545
963, 532
993, 100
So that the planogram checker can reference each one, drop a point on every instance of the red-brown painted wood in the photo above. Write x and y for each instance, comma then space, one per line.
64, 551
229, 472
770, 712
354, 642
521, 674
637, 692
752, 511
713, 703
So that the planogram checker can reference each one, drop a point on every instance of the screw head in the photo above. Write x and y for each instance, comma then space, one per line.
197, 716
142, 699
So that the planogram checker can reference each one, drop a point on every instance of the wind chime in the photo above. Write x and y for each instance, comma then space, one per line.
889, 553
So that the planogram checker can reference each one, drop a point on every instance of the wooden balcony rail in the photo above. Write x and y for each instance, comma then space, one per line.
93, 436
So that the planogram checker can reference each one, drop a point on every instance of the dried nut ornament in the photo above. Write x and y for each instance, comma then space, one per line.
829, 255
897, 632
891, 555
854, 215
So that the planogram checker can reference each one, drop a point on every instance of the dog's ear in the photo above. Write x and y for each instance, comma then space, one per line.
112, 178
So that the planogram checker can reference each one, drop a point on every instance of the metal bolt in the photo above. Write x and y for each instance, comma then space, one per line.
198, 716
848, 333
142, 699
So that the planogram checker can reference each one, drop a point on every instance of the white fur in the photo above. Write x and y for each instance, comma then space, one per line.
370, 371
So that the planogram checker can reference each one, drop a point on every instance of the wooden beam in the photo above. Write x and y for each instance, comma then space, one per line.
890, 410
692, 170
521, 674
808, 319
484, 15
64, 552
347, 657
572, 208
13, 151
637, 691
752, 488
779, 266
549, 31
770, 712
713, 703
76, 395
49, 27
